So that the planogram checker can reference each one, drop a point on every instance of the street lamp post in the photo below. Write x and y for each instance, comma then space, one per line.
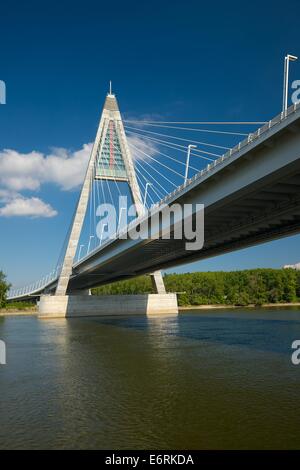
288, 58
188, 161
146, 192
88, 250
80, 248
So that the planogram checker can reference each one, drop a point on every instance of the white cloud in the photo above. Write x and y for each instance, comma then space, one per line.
141, 149
66, 169
130, 118
29, 207
6, 195
28, 171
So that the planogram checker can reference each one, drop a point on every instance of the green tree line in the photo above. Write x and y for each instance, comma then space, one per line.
253, 286
4, 286
247, 287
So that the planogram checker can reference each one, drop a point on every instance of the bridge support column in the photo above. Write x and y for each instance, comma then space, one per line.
158, 282
68, 306
80, 292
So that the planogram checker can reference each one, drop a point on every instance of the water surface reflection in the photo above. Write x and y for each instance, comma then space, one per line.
201, 380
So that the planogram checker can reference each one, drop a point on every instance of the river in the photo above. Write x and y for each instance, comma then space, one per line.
203, 380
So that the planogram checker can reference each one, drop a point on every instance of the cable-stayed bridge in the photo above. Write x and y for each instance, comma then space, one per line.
249, 184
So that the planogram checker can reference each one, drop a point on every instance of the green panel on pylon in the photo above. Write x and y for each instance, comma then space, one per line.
110, 164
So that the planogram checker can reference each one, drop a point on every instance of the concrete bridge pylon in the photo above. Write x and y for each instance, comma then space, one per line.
112, 159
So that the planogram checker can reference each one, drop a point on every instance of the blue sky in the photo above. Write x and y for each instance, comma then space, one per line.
176, 60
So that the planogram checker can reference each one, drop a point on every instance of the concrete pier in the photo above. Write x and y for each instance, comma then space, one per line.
61, 306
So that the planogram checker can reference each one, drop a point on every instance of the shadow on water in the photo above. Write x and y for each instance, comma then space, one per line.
259, 329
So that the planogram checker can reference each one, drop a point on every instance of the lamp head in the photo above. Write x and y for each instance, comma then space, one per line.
292, 58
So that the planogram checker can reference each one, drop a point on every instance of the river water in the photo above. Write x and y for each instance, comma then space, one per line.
202, 380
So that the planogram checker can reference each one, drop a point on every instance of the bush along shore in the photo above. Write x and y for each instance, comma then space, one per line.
18, 308
236, 288
10, 308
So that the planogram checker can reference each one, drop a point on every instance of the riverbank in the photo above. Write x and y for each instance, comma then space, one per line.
224, 306
7, 312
